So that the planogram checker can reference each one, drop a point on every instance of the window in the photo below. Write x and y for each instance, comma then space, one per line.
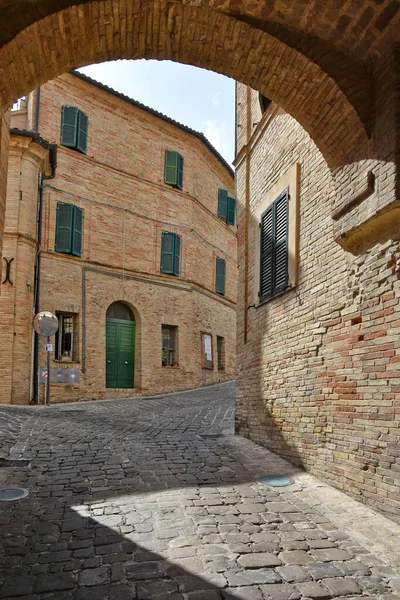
69, 222
220, 268
221, 353
226, 207
170, 253
264, 102
74, 128
169, 352
274, 247
66, 342
173, 169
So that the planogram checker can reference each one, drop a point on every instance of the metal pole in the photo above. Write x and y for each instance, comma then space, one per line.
48, 374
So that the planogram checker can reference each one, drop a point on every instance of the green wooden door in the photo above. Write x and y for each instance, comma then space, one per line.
120, 353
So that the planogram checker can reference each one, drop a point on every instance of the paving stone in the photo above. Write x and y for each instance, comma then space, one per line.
293, 573
242, 593
296, 557
145, 570
311, 589
259, 559
15, 587
122, 592
331, 554
353, 567
91, 577
153, 590
263, 576
342, 586
51, 583
323, 570
92, 593
281, 591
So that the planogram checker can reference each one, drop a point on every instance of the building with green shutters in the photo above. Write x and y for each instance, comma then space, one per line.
123, 223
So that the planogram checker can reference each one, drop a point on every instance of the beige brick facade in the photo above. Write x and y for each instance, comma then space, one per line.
119, 185
318, 380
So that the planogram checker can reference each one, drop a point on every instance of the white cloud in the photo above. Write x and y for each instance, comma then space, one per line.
215, 98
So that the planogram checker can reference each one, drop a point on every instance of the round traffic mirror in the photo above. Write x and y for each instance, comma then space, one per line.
45, 323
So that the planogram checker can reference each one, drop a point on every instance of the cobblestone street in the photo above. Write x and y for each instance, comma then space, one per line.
156, 499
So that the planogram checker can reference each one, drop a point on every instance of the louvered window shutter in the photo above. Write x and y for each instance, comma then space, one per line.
77, 231
167, 252
82, 136
274, 247
177, 254
179, 183
222, 203
220, 268
231, 211
171, 167
64, 221
281, 243
69, 126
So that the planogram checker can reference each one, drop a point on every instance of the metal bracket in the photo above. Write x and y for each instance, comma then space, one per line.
8, 269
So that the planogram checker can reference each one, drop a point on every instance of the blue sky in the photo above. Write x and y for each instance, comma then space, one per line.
200, 99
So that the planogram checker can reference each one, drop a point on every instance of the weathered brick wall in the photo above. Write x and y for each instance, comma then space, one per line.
318, 379
4, 140
120, 186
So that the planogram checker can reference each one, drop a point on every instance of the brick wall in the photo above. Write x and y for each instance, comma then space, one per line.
120, 187
318, 380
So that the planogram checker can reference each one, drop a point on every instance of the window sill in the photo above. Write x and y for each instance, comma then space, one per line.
170, 367
66, 362
262, 302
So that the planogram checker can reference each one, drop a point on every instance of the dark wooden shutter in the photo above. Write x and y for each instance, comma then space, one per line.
266, 251
177, 255
231, 211
220, 268
64, 222
222, 203
77, 231
274, 247
167, 252
281, 243
81, 142
69, 126
179, 183
171, 167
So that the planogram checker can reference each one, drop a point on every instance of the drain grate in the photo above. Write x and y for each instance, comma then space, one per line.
10, 494
276, 480
14, 462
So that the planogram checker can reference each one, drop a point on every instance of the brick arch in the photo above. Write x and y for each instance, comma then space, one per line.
158, 29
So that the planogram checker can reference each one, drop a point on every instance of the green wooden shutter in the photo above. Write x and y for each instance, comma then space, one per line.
220, 268
64, 223
179, 183
266, 257
222, 203
69, 126
281, 225
231, 211
81, 141
76, 247
171, 167
167, 252
177, 254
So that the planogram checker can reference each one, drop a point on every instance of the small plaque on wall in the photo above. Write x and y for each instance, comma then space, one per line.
207, 350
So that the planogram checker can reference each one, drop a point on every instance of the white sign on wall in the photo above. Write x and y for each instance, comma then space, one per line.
207, 347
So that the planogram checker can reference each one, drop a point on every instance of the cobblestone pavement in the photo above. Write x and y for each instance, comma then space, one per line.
156, 499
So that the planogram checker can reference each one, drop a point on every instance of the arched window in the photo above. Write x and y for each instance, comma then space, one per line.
119, 310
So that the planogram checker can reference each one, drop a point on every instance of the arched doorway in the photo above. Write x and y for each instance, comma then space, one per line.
120, 346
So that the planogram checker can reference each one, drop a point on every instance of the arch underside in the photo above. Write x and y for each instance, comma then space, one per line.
125, 29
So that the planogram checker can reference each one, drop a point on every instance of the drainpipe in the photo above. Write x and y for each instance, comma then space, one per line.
246, 215
36, 296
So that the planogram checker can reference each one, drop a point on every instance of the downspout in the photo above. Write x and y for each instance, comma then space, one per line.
36, 296
246, 215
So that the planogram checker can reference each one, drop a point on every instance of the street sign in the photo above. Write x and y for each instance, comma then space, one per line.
49, 347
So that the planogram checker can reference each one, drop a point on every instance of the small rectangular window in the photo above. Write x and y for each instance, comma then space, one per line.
173, 169
226, 207
170, 253
66, 337
74, 128
220, 269
169, 352
221, 353
69, 225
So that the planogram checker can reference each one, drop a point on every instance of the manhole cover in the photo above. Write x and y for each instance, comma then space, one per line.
7, 495
276, 480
